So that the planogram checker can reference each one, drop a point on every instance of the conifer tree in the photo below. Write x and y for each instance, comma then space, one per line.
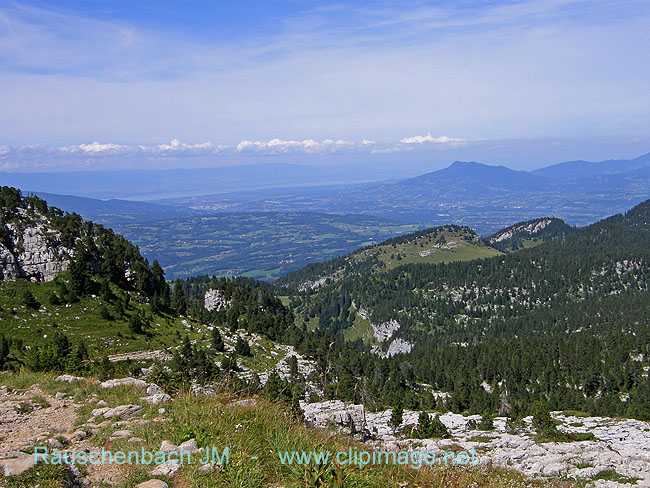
179, 303
242, 348
4, 351
396, 417
217, 341
29, 300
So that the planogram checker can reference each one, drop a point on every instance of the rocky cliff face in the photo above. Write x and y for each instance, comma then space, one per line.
215, 300
31, 250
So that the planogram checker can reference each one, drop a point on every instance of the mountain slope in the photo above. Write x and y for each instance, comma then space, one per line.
528, 234
561, 321
579, 169
109, 212
90, 294
37, 242
437, 245
472, 178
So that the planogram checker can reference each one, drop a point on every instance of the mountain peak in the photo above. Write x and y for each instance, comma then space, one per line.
470, 164
463, 171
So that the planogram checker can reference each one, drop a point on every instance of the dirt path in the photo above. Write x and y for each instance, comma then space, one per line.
31, 416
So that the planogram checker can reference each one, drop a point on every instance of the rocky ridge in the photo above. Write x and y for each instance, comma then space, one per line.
620, 445
32, 250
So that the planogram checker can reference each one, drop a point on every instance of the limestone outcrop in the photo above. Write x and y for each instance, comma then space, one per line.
32, 250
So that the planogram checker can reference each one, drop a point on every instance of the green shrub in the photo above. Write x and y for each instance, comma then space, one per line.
430, 428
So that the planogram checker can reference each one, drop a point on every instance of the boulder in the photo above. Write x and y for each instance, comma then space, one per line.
17, 466
249, 402
78, 435
168, 446
154, 389
123, 411
157, 398
121, 434
350, 418
124, 382
167, 469
68, 378
190, 446
152, 484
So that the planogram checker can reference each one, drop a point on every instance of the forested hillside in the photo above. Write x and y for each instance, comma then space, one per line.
72, 289
566, 321
438, 245
37, 241
528, 234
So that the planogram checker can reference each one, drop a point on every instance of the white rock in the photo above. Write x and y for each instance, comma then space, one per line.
154, 389
121, 434
168, 446
214, 300
190, 446
350, 418
122, 411
248, 402
157, 398
124, 382
67, 378
15, 467
167, 469
152, 484
78, 435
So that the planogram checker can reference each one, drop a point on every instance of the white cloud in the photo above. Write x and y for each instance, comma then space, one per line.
275, 146
95, 148
176, 145
431, 139
179, 149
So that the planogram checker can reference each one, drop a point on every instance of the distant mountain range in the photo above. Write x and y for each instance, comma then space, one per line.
114, 211
581, 169
486, 198
483, 197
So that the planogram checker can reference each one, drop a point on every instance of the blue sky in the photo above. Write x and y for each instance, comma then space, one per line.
161, 83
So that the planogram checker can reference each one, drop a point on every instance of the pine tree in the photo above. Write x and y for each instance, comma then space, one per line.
179, 303
29, 300
4, 351
81, 353
217, 341
429, 428
80, 282
54, 299
242, 348
292, 361
396, 417
139, 322
161, 288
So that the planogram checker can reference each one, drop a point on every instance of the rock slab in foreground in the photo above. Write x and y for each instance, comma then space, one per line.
16, 467
153, 484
